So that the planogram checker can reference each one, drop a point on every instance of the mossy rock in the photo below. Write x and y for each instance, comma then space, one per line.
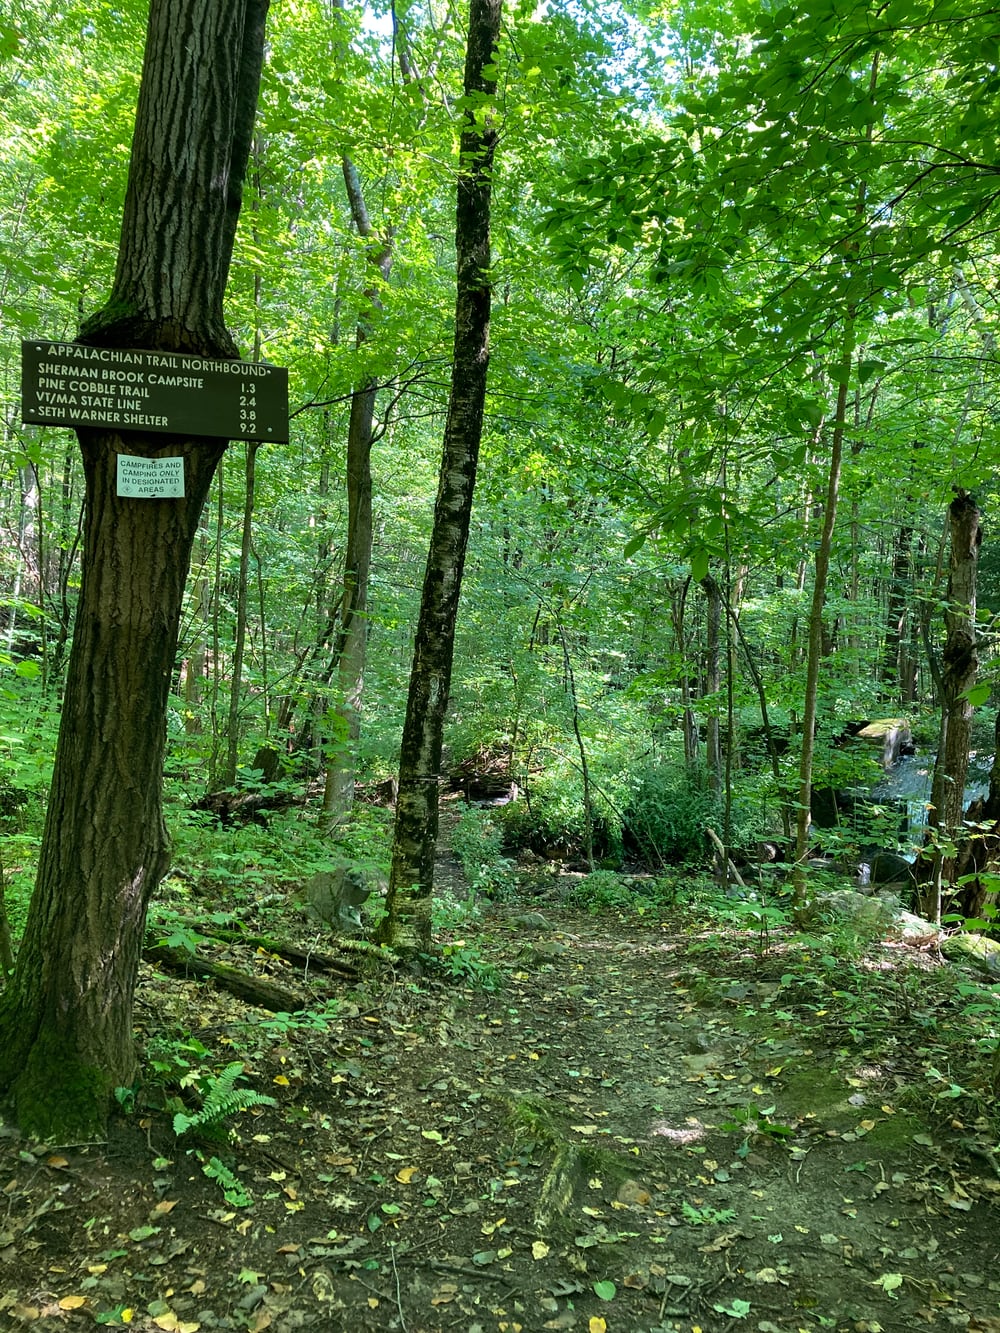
976, 952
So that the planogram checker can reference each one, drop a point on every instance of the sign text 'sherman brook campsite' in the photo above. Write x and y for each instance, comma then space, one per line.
72, 384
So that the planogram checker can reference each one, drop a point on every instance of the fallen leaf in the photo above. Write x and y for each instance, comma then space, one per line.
539, 1249
597, 1324
72, 1302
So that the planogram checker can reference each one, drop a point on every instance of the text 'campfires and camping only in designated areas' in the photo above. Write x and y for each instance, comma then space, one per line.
71, 384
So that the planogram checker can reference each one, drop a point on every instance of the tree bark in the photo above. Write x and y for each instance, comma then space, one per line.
713, 681
352, 642
816, 637
959, 666
66, 1018
896, 615
407, 923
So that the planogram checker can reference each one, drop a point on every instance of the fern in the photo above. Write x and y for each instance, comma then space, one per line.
234, 1191
221, 1100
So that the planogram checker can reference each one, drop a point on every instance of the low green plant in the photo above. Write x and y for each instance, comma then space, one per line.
449, 913
280, 1025
668, 809
221, 1101
477, 841
465, 963
234, 1191
178, 1060
551, 818
751, 1121
603, 891
706, 1216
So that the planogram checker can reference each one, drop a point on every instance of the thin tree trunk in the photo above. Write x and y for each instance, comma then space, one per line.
338, 792
240, 638
816, 636
959, 666
713, 681
896, 634
407, 922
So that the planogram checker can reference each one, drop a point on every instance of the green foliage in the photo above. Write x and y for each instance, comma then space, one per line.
279, 1026
551, 819
668, 809
234, 1191
464, 963
601, 891
706, 1216
751, 1121
221, 1101
477, 841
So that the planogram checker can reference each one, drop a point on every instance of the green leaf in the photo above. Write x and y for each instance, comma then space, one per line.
699, 565
977, 695
736, 1309
605, 1291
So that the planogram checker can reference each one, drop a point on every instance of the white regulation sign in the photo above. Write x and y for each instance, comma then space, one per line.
150, 478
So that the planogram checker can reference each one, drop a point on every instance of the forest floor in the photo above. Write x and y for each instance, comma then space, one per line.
649, 1124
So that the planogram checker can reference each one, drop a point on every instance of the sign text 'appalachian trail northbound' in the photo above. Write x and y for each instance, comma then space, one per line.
70, 384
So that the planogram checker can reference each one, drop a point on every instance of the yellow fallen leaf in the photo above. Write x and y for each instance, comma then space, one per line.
72, 1302
597, 1324
373, 1302
168, 1322
406, 1174
584, 1129
539, 1249
281, 1081
56, 1161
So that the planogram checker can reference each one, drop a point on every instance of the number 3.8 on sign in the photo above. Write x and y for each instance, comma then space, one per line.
248, 408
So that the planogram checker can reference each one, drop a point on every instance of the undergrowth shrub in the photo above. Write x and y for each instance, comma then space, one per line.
602, 891
550, 818
477, 840
668, 809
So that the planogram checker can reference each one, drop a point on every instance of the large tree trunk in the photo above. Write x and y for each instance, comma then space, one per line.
407, 922
66, 1019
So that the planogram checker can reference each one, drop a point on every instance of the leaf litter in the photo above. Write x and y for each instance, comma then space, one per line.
649, 1129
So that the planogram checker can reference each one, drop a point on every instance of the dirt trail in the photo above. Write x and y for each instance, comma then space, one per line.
643, 1129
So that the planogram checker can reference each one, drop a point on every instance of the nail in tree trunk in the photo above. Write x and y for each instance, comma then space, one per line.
407, 923
66, 1018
